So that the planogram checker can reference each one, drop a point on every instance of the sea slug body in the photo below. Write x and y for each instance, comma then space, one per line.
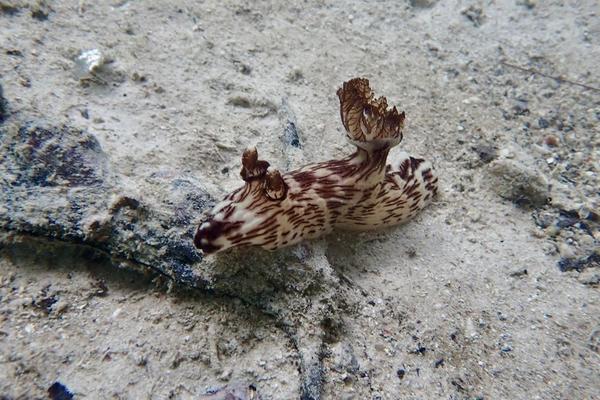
359, 192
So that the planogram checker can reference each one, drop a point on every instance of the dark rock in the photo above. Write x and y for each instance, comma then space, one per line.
506, 349
529, 4
10, 7
3, 106
40, 10
594, 340
567, 218
14, 52
485, 152
579, 264
291, 135
590, 277
520, 107
400, 373
311, 386
423, 3
543, 123
438, 363
39, 164
474, 14
58, 391
519, 272
419, 350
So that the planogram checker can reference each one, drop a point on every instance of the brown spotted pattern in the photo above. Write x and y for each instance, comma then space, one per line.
359, 192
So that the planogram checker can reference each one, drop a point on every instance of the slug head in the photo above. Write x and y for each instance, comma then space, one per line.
248, 216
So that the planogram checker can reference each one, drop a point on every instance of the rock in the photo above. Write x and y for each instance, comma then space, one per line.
543, 123
551, 140
474, 14
594, 340
10, 7
41, 163
579, 264
295, 75
520, 107
291, 135
400, 373
40, 10
3, 106
423, 3
518, 272
589, 277
58, 391
485, 152
527, 3
515, 181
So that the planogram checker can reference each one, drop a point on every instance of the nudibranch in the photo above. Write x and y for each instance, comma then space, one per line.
359, 192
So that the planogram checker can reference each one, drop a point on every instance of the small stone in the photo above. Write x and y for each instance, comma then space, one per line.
520, 107
594, 340
89, 62
225, 375
474, 216
566, 251
3, 107
137, 77
551, 140
141, 360
527, 3
295, 75
543, 123
25, 82
40, 10
519, 272
506, 348
14, 52
60, 307
400, 373
485, 152
58, 391
422, 3
589, 277
474, 14
245, 69
518, 182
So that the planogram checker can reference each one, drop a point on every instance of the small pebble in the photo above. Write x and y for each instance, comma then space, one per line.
551, 140
400, 373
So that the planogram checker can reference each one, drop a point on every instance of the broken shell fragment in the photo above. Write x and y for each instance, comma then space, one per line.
89, 62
